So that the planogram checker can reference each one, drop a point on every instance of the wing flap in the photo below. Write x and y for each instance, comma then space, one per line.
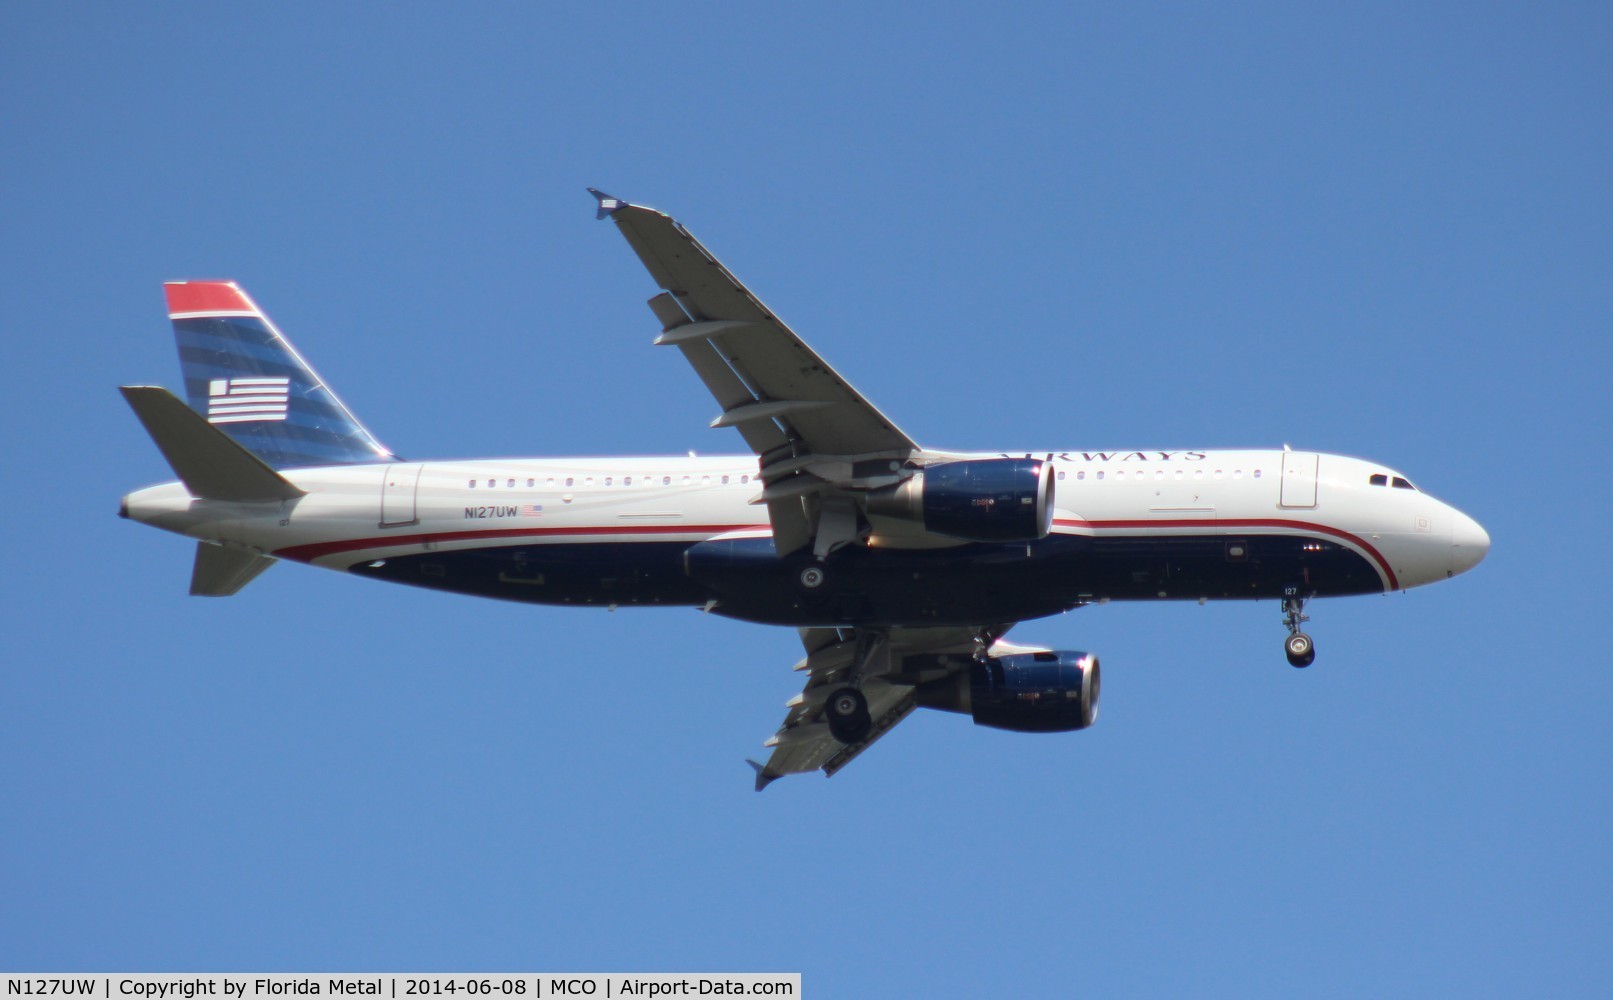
808, 746
765, 354
836, 657
720, 380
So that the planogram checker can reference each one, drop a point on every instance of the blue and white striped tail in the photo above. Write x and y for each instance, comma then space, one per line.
245, 377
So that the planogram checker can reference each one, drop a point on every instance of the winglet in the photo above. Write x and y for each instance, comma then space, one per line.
763, 778
608, 206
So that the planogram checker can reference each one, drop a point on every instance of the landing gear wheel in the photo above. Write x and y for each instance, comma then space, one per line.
1300, 649
812, 577
847, 714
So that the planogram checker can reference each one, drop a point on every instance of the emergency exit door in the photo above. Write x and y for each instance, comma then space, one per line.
1299, 479
397, 495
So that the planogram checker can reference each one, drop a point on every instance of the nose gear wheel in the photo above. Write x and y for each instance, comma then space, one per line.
1299, 647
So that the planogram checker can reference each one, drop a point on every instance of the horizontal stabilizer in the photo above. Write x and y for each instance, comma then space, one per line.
221, 571
207, 460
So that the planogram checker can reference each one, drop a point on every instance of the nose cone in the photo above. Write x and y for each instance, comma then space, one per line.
1469, 543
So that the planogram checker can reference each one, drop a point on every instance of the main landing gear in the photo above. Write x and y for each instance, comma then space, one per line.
1299, 647
847, 715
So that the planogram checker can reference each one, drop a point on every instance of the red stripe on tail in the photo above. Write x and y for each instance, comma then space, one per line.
205, 297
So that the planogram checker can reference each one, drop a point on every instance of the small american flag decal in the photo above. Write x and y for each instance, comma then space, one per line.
233, 400
531, 510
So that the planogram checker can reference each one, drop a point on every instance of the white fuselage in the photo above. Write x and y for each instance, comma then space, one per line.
355, 515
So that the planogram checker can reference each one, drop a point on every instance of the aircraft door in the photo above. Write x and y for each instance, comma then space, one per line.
397, 495
1299, 479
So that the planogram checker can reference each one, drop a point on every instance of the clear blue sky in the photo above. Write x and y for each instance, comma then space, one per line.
1383, 230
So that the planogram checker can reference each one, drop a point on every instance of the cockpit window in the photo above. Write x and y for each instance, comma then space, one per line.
1399, 483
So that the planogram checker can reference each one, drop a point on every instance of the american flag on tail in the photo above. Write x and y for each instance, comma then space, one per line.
233, 400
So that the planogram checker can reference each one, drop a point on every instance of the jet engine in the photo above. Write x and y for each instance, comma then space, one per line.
980, 500
1043, 691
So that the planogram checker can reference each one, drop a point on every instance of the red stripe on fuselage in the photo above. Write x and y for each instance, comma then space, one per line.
1253, 522
314, 550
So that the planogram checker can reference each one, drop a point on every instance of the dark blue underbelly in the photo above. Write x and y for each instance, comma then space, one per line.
966, 585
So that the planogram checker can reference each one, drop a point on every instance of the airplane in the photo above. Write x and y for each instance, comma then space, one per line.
902, 567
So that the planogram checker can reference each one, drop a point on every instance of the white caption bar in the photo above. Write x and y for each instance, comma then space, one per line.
400, 986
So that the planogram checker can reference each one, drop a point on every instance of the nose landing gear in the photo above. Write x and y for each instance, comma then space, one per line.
1300, 649
1298, 646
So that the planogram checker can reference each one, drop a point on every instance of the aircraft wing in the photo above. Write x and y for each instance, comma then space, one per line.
804, 743
807, 424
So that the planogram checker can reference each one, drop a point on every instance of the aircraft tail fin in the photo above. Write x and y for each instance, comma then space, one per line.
220, 571
211, 464
244, 377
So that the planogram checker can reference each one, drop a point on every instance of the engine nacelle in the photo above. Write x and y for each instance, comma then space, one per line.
981, 500
1045, 691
